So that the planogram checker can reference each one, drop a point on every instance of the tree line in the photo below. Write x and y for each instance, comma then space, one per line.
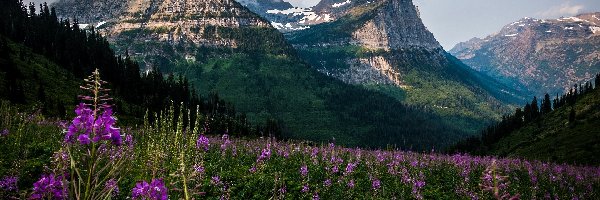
532, 112
80, 51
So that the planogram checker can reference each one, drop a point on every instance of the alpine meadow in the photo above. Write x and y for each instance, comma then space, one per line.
263, 99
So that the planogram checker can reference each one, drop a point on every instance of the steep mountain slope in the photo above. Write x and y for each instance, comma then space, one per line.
384, 46
222, 47
538, 55
29, 78
555, 138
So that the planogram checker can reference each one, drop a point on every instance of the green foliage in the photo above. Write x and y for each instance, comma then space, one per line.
28, 78
568, 133
30, 144
553, 137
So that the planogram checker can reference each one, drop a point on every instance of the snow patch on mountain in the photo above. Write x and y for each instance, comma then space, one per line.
100, 24
575, 19
295, 11
595, 29
336, 5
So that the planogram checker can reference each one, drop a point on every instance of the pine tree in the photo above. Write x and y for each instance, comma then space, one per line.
527, 113
535, 109
546, 104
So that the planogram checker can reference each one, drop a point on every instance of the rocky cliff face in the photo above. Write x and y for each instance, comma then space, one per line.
384, 45
387, 27
396, 25
171, 29
541, 56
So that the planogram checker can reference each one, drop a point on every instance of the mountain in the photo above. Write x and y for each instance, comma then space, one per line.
224, 48
538, 56
384, 46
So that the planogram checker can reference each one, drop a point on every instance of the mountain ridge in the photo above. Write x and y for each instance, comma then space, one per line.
538, 56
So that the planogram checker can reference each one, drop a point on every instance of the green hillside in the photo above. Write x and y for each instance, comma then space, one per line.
556, 139
29, 78
312, 106
565, 130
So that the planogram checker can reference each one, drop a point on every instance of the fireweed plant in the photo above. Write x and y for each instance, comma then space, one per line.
91, 161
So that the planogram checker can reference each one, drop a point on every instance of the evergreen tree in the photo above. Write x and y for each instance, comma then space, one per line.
546, 104
527, 113
535, 109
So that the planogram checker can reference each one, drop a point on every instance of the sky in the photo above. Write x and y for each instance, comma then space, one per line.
454, 21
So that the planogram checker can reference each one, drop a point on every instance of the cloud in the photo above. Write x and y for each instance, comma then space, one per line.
563, 10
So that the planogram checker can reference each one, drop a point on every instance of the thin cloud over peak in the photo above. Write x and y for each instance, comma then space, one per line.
565, 9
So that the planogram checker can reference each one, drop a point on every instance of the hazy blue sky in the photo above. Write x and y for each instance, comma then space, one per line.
453, 21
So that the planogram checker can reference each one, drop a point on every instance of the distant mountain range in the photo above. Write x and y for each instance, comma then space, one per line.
538, 56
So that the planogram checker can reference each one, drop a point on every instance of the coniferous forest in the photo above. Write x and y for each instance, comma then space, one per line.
536, 116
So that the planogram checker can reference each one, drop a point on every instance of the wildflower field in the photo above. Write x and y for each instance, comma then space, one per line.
170, 157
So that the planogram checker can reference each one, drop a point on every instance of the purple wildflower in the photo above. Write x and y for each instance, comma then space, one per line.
226, 142
282, 190
199, 169
84, 139
350, 168
316, 196
303, 170
327, 183
49, 187
351, 183
252, 169
155, 190
81, 124
84, 124
335, 169
376, 184
4, 132
105, 128
305, 188
202, 142
129, 140
9, 183
216, 180
112, 187
265, 154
